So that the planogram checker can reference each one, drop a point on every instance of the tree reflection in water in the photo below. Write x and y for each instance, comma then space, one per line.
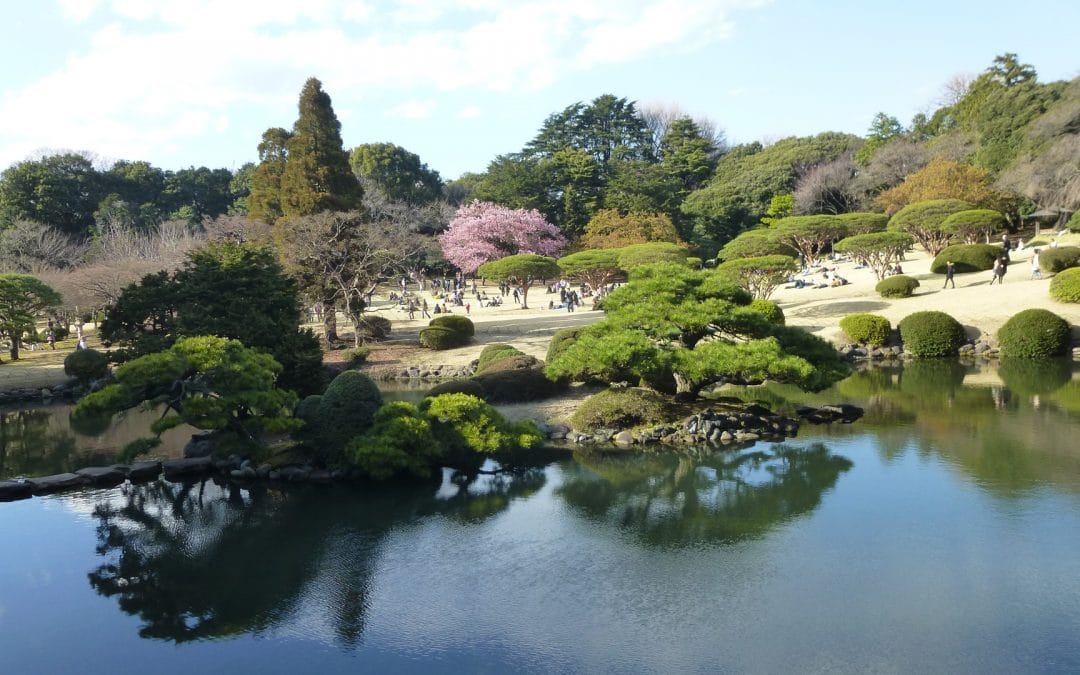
673, 500
206, 561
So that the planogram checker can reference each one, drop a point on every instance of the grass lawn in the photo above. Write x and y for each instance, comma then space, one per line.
39, 368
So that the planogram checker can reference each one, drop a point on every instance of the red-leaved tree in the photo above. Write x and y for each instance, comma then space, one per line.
482, 231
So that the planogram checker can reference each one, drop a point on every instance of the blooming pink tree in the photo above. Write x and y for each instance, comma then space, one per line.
482, 231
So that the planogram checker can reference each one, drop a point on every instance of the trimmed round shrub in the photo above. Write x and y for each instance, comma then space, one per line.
373, 327
931, 334
466, 424
346, 410
358, 356
1032, 334
516, 385
620, 409
1054, 260
469, 386
1065, 286
60, 332
966, 258
769, 309
511, 361
439, 337
308, 408
456, 322
1074, 222
86, 365
897, 286
867, 329
561, 341
495, 351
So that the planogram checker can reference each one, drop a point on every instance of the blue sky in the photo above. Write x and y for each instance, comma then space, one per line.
196, 82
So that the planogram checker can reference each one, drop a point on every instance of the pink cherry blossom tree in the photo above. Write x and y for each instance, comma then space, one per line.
482, 231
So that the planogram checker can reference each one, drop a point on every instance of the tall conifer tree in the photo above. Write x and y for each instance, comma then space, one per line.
317, 176
264, 202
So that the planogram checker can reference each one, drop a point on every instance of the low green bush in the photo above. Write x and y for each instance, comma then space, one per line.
461, 324
86, 365
439, 337
60, 332
620, 409
358, 356
511, 361
374, 327
1074, 222
469, 386
346, 410
770, 309
867, 329
1054, 260
1032, 334
931, 334
1065, 286
488, 352
399, 441
517, 385
897, 286
966, 258
465, 424
560, 341
489, 356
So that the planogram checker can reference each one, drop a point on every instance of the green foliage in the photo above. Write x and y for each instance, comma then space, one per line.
516, 379
561, 340
810, 235
346, 409
22, 299
373, 327
636, 255
397, 172
400, 441
596, 267
469, 386
1033, 334
754, 244
523, 269
769, 309
1035, 376
1074, 222
207, 382
1054, 260
86, 365
1065, 286
61, 190
495, 351
439, 338
759, 276
924, 221
974, 225
620, 409
897, 286
466, 424
455, 322
863, 222
506, 359
931, 334
867, 329
966, 258
877, 250
780, 206
358, 356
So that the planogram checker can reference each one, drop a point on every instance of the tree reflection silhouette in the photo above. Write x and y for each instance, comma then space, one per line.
672, 500
206, 561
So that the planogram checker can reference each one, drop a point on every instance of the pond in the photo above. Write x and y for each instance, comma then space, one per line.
939, 533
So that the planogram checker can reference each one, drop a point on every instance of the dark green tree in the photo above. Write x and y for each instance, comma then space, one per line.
523, 269
264, 200
317, 175
22, 300
397, 172
61, 190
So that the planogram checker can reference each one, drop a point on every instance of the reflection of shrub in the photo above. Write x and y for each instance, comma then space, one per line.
897, 286
1028, 377
769, 309
1034, 333
1065, 286
619, 409
438, 337
966, 258
869, 329
560, 341
466, 424
518, 385
90, 425
931, 334
455, 322
399, 441
86, 365
346, 409
1054, 260
931, 380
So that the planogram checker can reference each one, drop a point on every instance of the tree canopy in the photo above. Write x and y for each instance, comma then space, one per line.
22, 300
610, 229
397, 172
523, 269
482, 231
923, 221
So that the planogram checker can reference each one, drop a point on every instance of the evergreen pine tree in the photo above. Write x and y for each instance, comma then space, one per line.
317, 176
264, 201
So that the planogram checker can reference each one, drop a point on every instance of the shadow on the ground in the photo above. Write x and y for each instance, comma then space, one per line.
833, 308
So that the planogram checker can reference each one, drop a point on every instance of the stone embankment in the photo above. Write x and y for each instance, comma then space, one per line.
24, 394
983, 348
430, 373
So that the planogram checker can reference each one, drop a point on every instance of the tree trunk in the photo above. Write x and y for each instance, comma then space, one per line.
525, 296
329, 322
15, 349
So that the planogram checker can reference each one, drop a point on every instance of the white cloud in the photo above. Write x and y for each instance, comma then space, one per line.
162, 71
415, 110
469, 112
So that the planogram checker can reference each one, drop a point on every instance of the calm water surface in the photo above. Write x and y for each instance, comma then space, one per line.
941, 533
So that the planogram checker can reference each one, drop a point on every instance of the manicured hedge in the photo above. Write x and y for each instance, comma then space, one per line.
1054, 260
560, 341
770, 309
510, 360
439, 337
931, 334
456, 322
517, 385
470, 386
374, 327
897, 286
620, 409
346, 409
1065, 286
868, 329
966, 258
1074, 222
1034, 333
487, 354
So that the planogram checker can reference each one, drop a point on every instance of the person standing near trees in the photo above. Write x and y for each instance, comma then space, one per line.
950, 269
997, 272
1036, 271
